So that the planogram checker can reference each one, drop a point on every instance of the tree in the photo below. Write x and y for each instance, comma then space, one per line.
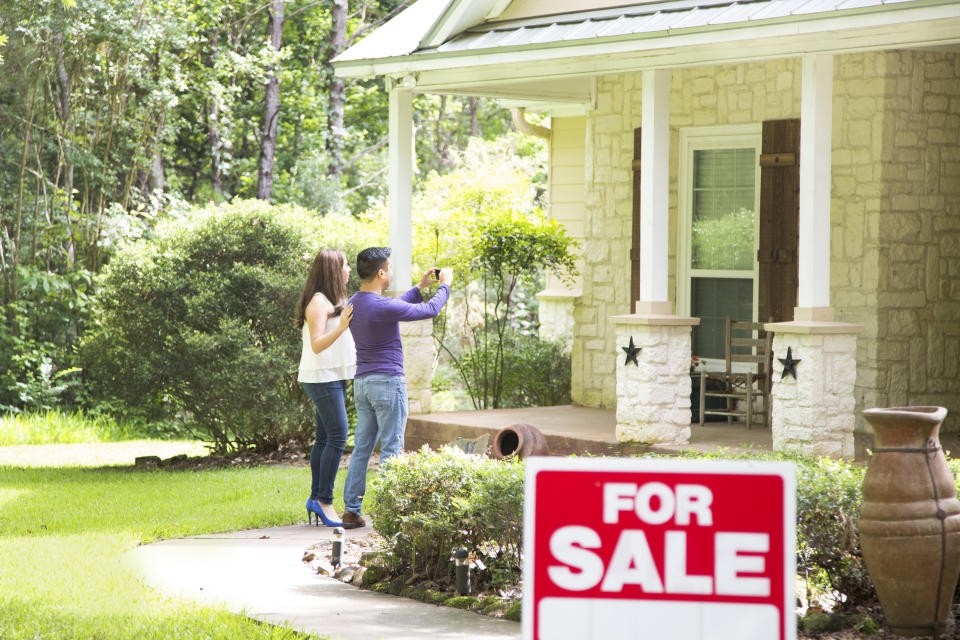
271, 105
480, 219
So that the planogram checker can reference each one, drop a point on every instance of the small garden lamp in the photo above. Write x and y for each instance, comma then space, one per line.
337, 547
462, 564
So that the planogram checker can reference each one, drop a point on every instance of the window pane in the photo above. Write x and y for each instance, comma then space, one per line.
723, 208
712, 300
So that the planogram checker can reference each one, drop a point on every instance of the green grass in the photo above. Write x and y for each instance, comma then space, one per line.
54, 427
63, 532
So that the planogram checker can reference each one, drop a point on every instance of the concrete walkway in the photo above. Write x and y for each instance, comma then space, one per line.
259, 573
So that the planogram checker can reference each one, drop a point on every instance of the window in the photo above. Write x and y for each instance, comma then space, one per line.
718, 201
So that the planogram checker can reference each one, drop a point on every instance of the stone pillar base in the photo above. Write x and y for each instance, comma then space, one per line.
653, 396
556, 315
813, 414
418, 357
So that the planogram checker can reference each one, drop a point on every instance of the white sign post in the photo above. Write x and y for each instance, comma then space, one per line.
621, 548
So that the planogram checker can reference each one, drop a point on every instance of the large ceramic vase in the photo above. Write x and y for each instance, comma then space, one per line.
910, 520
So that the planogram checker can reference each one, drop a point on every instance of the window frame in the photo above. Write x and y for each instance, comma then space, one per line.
709, 138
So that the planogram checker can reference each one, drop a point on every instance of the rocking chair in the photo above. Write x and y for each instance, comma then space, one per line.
746, 342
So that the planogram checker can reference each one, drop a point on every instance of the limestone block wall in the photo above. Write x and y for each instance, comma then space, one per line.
895, 212
896, 225
727, 94
919, 227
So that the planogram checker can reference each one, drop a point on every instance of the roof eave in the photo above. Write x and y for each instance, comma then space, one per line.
855, 30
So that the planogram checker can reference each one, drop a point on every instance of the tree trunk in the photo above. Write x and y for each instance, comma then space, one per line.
64, 111
216, 146
336, 89
271, 111
474, 124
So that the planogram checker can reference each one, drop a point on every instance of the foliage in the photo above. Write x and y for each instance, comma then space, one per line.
56, 427
481, 221
536, 373
828, 546
112, 112
111, 512
429, 504
724, 242
197, 322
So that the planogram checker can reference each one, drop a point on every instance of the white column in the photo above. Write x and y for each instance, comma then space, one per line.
816, 122
654, 186
401, 186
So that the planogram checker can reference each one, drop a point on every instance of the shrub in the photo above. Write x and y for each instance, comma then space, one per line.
536, 373
197, 321
430, 503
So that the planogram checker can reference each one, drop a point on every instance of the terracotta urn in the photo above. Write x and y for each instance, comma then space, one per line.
520, 440
910, 520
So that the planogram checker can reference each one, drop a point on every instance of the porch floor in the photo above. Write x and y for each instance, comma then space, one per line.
570, 429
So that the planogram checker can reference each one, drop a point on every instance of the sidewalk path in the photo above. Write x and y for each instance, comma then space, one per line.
259, 573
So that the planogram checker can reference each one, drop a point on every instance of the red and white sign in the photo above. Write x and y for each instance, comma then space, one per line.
621, 548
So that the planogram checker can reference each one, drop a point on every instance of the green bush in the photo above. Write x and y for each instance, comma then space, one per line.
197, 321
536, 373
430, 503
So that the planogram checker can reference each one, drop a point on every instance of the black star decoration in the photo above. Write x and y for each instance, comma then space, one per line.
631, 352
789, 365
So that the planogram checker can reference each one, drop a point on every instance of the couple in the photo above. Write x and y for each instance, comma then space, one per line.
357, 338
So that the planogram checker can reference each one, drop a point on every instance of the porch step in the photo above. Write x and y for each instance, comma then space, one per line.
568, 430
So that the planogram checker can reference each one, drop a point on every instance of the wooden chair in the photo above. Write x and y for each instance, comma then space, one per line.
745, 342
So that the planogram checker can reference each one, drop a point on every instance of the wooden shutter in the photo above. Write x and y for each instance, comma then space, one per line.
779, 219
635, 241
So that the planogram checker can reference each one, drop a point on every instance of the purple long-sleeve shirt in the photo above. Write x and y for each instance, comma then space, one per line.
376, 327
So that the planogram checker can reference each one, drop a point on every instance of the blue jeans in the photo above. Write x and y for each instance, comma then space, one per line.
381, 415
331, 422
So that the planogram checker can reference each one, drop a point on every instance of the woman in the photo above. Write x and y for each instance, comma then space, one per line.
327, 361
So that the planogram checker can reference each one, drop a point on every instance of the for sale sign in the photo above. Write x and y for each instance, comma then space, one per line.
619, 549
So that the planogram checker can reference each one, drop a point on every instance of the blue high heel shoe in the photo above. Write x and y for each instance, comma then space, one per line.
313, 507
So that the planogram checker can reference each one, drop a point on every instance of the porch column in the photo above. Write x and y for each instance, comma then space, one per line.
816, 123
654, 192
653, 379
401, 185
814, 358
416, 337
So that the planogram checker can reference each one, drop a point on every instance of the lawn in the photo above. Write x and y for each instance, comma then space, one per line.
63, 532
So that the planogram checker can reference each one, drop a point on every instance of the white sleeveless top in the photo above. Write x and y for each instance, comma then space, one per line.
336, 362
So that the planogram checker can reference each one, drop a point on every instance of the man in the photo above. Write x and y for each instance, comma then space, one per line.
379, 388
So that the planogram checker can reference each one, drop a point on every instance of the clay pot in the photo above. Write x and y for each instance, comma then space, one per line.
910, 520
521, 440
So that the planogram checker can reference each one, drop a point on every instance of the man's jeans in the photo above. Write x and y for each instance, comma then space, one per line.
331, 436
381, 415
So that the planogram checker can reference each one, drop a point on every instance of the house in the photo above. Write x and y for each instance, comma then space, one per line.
795, 162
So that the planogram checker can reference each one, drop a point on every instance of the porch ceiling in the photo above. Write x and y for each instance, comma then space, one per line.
533, 54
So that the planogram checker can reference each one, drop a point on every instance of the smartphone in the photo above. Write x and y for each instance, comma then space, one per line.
436, 273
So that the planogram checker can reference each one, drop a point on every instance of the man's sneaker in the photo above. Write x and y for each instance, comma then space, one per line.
352, 520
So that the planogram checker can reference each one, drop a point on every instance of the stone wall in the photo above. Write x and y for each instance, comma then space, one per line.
728, 94
919, 227
895, 212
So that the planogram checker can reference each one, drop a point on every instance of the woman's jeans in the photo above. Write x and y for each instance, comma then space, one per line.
381, 415
331, 422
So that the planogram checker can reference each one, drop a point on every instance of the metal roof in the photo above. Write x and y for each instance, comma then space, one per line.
646, 19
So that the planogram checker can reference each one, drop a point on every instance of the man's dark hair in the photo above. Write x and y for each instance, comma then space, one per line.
371, 260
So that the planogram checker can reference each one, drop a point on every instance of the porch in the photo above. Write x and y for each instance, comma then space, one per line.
576, 430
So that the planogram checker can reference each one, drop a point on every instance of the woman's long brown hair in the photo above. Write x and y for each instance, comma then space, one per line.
326, 276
